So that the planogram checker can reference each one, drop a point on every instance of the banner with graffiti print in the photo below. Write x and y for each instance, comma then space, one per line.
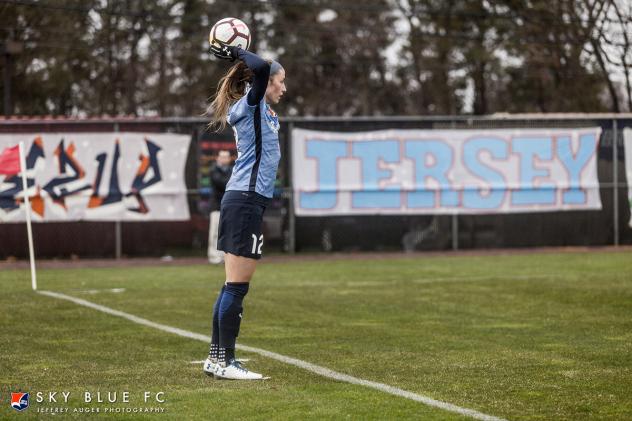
97, 176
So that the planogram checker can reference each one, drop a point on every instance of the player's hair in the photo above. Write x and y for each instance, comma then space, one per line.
230, 88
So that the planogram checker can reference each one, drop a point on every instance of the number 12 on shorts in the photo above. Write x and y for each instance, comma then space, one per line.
257, 249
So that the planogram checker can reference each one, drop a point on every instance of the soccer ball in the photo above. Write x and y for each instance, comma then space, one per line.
230, 31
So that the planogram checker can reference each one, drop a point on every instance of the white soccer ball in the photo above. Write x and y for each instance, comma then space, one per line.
230, 31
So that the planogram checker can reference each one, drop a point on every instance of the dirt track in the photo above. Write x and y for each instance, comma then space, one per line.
300, 257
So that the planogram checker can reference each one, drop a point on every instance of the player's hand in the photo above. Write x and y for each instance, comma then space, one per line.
223, 51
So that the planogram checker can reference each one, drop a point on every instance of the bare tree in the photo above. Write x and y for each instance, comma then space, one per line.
591, 17
622, 24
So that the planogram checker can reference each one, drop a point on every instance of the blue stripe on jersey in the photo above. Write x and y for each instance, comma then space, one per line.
258, 148
258, 153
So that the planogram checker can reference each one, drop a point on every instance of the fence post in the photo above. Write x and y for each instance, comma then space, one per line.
118, 241
615, 179
291, 238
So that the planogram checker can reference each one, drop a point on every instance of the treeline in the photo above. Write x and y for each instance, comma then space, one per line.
342, 57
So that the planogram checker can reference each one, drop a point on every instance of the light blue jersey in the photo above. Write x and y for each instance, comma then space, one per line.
256, 130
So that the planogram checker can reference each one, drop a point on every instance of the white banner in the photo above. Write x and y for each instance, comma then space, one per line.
627, 141
98, 176
444, 171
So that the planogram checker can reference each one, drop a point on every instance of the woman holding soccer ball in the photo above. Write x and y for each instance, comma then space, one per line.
243, 101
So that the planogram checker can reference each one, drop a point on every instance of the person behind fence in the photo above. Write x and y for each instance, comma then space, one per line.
220, 174
243, 101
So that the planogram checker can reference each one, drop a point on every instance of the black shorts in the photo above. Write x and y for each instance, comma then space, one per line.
240, 223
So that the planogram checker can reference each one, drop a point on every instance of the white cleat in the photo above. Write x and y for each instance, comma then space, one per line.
210, 365
235, 371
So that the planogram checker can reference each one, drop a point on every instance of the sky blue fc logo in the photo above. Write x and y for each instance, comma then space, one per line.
19, 401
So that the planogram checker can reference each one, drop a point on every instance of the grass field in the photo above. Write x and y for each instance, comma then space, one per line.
532, 337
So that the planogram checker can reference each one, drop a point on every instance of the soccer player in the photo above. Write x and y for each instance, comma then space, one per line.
242, 99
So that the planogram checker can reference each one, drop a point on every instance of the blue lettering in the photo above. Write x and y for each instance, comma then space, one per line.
529, 148
472, 198
326, 154
574, 165
372, 196
419, 150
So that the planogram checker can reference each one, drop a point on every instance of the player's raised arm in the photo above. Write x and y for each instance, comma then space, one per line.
259, 67
261, 70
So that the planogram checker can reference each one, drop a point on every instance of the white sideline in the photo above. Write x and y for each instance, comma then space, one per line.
322, 371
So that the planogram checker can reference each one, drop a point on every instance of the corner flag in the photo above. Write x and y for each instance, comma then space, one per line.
10, 161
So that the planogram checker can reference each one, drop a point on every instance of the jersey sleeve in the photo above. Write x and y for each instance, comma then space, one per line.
261, 70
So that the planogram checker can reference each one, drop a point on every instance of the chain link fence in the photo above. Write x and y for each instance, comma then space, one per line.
287, 233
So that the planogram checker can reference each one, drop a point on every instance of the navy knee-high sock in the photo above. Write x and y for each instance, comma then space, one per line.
215, 333
230, 312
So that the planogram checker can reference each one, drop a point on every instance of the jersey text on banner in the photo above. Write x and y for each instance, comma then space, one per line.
445, 171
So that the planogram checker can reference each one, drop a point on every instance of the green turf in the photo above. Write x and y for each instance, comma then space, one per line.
540, 336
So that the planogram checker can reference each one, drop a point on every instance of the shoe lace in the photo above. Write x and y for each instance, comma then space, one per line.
238, 366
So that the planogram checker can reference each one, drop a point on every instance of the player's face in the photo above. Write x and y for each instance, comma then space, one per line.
276, 87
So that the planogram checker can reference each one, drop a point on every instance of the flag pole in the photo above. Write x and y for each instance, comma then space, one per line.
27, 203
